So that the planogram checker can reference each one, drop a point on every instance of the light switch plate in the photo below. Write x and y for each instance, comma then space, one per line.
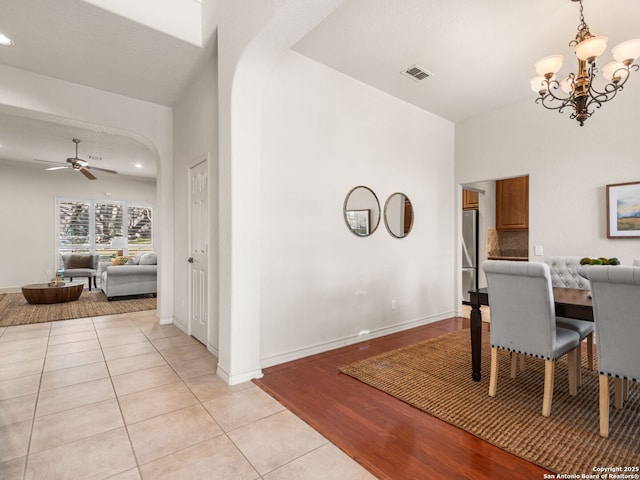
537, 250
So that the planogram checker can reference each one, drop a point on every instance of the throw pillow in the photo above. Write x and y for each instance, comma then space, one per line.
135, 260
119, 261
79, 261
149, 259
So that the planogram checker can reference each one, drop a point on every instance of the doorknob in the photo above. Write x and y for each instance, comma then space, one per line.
190, 260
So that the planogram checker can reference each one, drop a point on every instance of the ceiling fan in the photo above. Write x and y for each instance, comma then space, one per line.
80, 165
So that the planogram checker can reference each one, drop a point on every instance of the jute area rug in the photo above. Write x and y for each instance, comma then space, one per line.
14, 309
435, 376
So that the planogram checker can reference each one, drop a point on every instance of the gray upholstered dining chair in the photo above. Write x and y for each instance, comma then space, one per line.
564, 274
616, 309
523, 321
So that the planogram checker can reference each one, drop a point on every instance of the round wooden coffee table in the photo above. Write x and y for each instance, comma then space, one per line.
42, 293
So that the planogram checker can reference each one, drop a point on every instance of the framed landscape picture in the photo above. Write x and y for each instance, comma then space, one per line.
623, 210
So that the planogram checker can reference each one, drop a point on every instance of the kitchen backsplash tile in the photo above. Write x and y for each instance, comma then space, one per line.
507, 243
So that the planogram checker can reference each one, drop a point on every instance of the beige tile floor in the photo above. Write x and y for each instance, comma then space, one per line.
121, 397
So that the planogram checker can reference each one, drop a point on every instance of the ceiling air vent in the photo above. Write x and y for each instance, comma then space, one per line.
417, 73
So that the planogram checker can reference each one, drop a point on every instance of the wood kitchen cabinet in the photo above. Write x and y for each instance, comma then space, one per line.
512, 204
469, 199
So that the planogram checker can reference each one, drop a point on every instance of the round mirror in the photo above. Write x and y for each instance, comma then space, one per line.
398, 215
361, 211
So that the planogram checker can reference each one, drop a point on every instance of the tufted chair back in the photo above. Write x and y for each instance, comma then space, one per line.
564, 272
616, 303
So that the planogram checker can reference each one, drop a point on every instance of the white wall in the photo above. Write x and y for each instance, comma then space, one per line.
195, 131
252, 36
28, 195
323, 134
569, 167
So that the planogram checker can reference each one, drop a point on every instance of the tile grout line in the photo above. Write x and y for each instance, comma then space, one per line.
201, 403
124, 423
35, 408
95, 330
198, 400
181, 380
225, 432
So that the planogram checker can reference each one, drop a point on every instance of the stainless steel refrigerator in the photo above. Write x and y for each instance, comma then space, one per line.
469, 252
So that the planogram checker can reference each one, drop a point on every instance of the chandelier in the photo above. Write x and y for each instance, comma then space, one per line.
583, 96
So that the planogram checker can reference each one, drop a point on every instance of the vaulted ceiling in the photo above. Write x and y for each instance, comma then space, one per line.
481, 54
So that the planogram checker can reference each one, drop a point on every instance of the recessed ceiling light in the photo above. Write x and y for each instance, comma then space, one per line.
4, 40
137, 165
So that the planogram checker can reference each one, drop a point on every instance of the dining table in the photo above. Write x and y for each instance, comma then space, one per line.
569, 303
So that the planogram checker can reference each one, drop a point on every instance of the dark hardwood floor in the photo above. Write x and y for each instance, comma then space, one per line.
390, 438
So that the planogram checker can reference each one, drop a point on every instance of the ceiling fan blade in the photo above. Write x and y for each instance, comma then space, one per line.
59, 164
87, 173
102, 169
56, 168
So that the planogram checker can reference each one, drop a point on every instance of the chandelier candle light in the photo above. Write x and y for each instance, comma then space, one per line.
582, 94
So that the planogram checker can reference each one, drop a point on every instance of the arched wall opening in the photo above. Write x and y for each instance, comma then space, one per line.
48, 99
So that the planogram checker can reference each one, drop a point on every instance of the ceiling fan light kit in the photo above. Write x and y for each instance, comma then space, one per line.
583, 96
80, 165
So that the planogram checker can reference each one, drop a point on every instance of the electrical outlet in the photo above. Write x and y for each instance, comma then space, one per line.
48, 271
394, 305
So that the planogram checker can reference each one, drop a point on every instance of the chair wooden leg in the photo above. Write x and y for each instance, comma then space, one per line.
590, 351
604, 406
621, 392
514, 364
625, 391
549, 373
573, 357
89, 279
578, 363
493, 379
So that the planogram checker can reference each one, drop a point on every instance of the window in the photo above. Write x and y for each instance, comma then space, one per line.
90, 226
139, 228
74, 226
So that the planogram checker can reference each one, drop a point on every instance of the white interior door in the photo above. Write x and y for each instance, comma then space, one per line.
199, 251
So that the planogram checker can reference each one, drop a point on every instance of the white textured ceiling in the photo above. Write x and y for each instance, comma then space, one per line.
74, 41
481, 53
78, 42
37, 143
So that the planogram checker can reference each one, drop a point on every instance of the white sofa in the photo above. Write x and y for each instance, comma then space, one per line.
136, 277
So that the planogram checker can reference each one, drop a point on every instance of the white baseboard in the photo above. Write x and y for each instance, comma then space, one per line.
350, 340
181, 326
238, 378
